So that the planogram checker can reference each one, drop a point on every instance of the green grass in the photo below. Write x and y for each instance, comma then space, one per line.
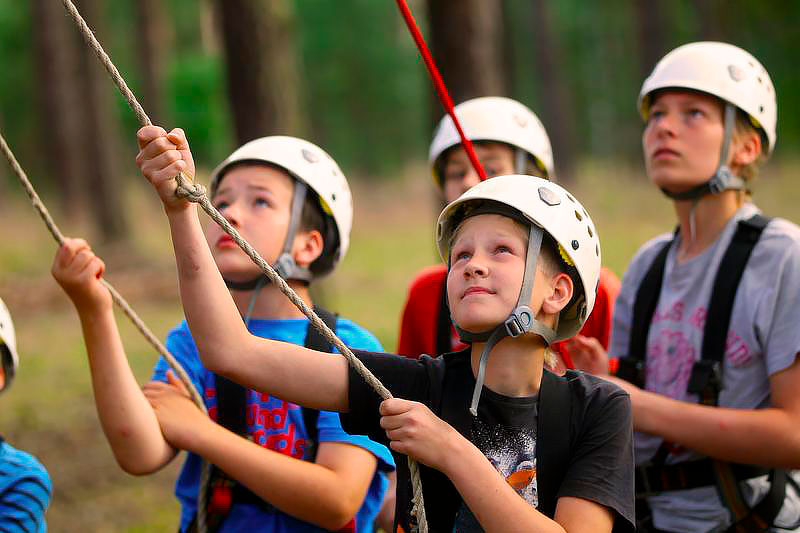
49, 411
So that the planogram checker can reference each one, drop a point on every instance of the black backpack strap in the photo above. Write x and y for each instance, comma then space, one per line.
706, 378
632, 366
553, 439
444, 325
452, 406
232, 415
315, 340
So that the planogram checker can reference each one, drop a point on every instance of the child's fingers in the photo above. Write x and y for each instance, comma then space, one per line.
154, 148
147, 133
173, 380
159, 163
395, 406
178, 138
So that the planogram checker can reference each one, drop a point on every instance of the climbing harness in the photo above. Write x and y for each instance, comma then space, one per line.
706, 381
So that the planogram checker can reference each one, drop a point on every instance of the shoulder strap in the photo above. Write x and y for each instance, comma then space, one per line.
444, 335
707, 372
451, 403
631, 366
315, 340
232, 414
553, 439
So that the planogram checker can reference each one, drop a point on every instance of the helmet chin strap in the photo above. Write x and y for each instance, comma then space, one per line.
285, 266
723, 179
520, 160
520, 321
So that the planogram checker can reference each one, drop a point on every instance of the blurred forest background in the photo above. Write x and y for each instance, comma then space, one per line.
346, 75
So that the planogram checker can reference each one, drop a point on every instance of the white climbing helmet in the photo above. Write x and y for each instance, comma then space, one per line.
559, 214
309, 164
8, 345
493, 118
722, 70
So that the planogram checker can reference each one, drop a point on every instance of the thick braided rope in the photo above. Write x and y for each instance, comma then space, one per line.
115, 295
205, 471
196, 193
118, 299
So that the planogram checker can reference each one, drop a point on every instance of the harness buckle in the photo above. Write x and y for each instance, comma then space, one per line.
520, 321
632, 370
706, 376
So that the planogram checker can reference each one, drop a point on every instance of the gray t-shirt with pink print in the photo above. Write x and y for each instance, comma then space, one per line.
763, 339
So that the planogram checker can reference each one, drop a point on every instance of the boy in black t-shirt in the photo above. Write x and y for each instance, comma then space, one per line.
523, 263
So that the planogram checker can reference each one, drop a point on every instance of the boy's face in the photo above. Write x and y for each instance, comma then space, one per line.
487, 265
256, 200
683, 139
458, 175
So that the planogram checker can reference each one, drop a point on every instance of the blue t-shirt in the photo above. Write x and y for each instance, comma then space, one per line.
25, 491
274, 424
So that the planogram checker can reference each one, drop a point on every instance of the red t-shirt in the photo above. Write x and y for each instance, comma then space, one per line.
421, 314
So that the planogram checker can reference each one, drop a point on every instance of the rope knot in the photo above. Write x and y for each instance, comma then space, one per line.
194, 192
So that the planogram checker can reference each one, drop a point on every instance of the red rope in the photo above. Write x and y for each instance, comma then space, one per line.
438, 84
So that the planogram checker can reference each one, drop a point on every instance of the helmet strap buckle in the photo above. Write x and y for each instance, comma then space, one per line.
520, 321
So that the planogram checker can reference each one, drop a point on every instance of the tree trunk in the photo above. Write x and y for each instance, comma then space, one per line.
556, 111
651, 23
151, 37
261, 60
58, 94
467, 45
99, 137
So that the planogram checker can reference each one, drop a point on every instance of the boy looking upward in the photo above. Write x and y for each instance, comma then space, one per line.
524, 261
508, 139
706, 326
294, 470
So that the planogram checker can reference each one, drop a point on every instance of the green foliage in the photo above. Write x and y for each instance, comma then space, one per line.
198, 105
17, 110
366, 90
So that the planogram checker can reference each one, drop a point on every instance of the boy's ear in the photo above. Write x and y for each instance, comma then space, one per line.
308, 246
746, 149
560, 295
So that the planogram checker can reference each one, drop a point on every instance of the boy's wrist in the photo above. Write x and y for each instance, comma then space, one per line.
456, 446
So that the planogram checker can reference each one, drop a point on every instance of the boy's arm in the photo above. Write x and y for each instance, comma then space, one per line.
327, 493
416, 431
290, 372
127, 419
735, 435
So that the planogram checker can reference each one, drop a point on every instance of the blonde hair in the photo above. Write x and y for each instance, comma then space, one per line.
550, 358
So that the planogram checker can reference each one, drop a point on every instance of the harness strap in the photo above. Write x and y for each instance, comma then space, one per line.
653, 479
553, 439
223, 490
705, 381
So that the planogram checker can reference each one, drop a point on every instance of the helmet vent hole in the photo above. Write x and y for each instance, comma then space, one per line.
761, 109
578, 216
597, 250
590, 231
333, 197
571, 198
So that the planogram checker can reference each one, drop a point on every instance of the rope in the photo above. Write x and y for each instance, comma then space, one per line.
196, 193
438, 84
115, 295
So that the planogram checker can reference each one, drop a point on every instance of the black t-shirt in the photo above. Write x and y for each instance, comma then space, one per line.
590, 458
